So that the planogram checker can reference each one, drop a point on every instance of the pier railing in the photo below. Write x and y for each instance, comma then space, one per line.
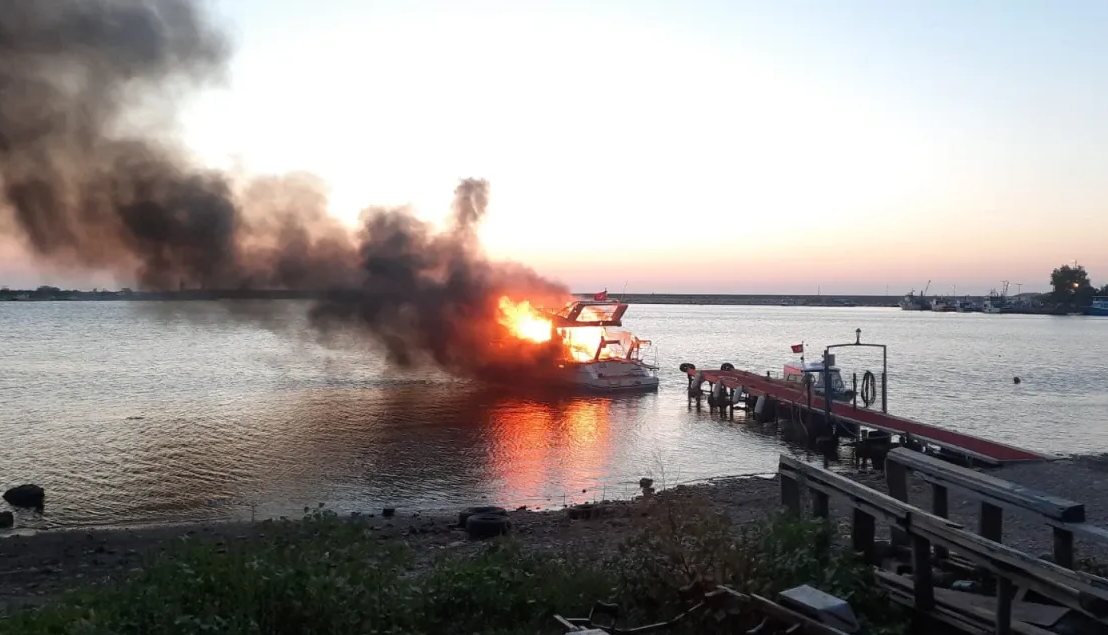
1065, 517
1012, 569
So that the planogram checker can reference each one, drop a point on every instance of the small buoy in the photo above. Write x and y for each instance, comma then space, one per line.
1015, 380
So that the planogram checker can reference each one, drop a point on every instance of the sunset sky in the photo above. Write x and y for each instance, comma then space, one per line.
698, 146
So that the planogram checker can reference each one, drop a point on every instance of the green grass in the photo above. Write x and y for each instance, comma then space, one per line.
326, 576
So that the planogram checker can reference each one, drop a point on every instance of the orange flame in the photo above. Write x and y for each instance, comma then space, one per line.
523, 321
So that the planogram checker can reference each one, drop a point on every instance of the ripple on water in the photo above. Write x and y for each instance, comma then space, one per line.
136, 413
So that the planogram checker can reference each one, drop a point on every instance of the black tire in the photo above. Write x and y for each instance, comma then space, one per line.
584, 511
483, 509
685, 367
482, 526
727, 366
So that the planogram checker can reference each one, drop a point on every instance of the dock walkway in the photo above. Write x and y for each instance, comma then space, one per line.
984, 450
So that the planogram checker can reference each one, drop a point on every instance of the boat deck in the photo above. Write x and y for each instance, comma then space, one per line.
981, 449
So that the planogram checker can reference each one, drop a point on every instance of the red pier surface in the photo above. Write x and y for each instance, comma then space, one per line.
792, 393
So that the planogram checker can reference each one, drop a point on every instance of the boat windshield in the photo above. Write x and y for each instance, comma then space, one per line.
837, 384
582, 312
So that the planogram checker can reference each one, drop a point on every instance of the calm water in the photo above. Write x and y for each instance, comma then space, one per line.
137, 413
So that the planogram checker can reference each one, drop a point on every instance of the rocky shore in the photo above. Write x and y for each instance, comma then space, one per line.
41, 566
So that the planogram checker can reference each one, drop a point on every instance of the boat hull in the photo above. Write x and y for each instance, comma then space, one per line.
609, 376
647, 385
1101, 311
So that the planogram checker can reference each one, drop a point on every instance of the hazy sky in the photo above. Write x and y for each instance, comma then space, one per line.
701, 146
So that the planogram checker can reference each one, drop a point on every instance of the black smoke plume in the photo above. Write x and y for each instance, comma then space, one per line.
87, 185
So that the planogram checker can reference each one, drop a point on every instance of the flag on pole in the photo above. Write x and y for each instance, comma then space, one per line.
798, 348
600, 297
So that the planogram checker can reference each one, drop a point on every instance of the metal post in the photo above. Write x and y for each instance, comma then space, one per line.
885, 379
827, 393
854, 388
809, 410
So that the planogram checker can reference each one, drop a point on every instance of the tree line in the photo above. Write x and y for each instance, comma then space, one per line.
1072, 287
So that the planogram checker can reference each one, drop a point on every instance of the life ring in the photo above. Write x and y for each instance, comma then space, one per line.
869, 389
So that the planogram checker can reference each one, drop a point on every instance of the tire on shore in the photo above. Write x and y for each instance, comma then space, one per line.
482, 526
482, 509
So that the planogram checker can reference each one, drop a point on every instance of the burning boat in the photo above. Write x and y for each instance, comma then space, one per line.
590, 350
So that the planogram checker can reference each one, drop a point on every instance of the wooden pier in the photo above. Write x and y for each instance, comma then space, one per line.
744, 388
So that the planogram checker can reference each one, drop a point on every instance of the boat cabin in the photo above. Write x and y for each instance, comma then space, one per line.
800, 372
584, 313
598, 321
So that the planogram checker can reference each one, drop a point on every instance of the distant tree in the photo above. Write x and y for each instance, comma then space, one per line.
1103, 291
1071, 286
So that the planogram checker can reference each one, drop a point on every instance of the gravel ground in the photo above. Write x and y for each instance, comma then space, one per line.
40, 566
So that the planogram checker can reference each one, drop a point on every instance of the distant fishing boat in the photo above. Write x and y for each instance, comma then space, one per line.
1099, 306
913, 302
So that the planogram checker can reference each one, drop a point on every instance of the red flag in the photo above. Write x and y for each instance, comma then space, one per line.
798, 348
600, 297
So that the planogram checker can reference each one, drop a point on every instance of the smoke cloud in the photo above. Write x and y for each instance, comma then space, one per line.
87, 185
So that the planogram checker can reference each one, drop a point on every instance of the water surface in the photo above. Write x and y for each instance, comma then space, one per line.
168, 412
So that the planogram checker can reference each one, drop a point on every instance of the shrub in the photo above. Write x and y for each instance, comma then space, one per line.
505, 588
319, 576
325, 576
687, 542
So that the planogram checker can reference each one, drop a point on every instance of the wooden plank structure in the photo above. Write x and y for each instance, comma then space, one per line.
1065, 517
771, 613
1080, 592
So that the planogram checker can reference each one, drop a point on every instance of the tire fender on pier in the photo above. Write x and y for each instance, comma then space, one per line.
737, 395
718, 393
695, 383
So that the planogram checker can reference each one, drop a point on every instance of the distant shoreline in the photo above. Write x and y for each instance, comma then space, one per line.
194, 295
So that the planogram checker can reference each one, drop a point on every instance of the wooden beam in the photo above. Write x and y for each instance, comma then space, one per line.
790, 492
821, 504
972, 613
871, 501
863, 532
1063, 547
993, 490
1004, 593
808, 626
1086, 530
923, 586
940, 506
1081, 592
1085, 593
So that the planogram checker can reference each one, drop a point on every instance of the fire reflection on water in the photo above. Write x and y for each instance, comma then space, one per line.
548, 452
